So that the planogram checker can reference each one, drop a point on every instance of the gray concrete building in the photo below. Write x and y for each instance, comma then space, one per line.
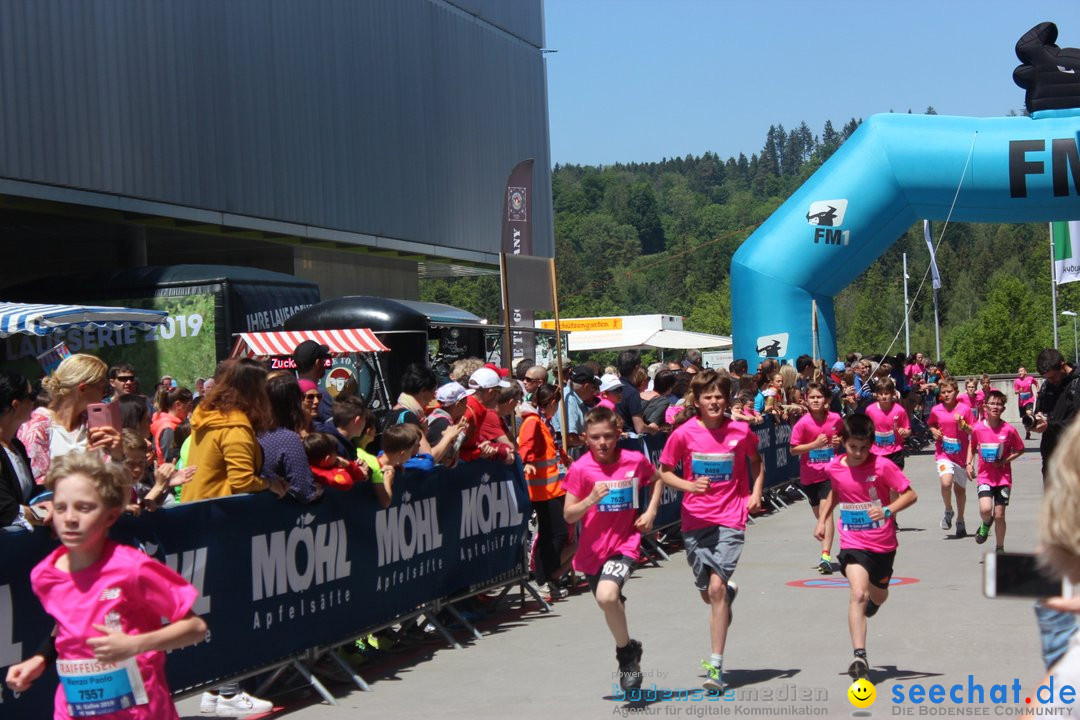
355, 143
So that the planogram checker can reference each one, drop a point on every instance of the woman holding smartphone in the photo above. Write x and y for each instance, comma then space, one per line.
62, 427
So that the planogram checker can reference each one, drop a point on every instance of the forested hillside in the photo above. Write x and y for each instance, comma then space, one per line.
658, 238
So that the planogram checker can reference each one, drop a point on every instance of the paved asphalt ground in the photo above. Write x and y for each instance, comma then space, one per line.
787, 651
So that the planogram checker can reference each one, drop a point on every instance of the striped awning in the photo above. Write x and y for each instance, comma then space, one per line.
283, 342
34, 319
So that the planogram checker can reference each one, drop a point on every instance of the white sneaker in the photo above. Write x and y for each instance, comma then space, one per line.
241, 704
208, 704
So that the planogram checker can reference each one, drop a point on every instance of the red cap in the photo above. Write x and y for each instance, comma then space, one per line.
503, 372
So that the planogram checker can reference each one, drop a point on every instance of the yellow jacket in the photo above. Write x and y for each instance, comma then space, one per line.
225, 454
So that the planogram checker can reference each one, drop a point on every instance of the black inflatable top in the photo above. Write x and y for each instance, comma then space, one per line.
1049, 74
378, 314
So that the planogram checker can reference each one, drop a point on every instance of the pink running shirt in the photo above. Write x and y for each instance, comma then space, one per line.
886, 438
812, 464
608, 527
954, 442
1022, 388
721, 455
129, 583
993, 444
856, 489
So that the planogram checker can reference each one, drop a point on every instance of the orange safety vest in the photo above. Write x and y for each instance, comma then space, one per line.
537, 448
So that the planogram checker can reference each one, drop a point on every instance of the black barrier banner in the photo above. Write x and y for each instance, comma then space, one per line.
277, 578
774, 446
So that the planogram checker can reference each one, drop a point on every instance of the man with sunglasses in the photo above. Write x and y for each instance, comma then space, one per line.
123, 380
1059, 400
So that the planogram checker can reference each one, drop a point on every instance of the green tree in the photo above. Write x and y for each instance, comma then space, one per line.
1006, 331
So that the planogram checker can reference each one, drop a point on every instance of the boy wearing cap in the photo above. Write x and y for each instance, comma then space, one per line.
310, 358
446, 423
487, 440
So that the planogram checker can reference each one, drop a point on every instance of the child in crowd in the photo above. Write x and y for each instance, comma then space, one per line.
891, 424
997, 444
602, 492
743, 409
973, 397
375, 473
610, 392
327, 467
149, 490
814, 440
861, 481
717, 498
950, 423
399, 443
117, 610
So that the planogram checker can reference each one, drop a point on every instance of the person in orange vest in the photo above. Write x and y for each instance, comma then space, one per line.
174, 405
545, 466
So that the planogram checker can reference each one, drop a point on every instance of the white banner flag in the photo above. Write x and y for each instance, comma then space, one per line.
1066, 237
933, 261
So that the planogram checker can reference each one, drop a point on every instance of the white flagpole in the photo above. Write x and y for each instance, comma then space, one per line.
907, 314
1053, 283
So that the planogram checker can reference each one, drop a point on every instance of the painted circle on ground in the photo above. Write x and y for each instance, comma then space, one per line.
841, 582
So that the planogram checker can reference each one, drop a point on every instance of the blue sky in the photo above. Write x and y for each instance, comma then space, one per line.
639, 80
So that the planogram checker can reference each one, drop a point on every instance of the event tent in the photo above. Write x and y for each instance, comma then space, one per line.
634, 332
34, 319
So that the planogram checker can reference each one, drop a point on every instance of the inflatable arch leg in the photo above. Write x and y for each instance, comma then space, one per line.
891, 172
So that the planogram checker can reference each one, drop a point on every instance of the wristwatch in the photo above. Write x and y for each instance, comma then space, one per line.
888, 513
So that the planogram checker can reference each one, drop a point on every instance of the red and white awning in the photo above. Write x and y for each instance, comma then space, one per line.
283, 342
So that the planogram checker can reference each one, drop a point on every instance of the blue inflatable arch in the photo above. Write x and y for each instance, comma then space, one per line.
893, 171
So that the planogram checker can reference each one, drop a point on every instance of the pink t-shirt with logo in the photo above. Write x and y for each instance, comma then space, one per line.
720, 455
1022, 388
954, 441
139, 590
886, 438
812, 464
608, 527
856, 490
992, 445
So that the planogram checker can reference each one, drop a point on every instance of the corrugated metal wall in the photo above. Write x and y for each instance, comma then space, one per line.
397, 118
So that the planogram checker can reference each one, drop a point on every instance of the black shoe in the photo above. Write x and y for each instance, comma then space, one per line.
871, 608
629, 659
859, 668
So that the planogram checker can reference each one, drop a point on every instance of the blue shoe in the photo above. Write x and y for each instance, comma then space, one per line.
714, 677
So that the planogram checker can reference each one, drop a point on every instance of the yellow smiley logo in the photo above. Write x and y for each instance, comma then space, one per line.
862, 693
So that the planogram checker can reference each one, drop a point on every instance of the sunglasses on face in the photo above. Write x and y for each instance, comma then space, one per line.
125, 378
313, 396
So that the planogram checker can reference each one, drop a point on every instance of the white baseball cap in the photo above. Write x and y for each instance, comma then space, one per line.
485, 378
610, 382
451, 394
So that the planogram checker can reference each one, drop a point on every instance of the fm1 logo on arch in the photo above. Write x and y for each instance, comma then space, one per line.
828, 216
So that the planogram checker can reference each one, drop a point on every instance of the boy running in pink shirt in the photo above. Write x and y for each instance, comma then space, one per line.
996, 443
1025, 388
861, 484
602, 491
814, 439
891, 424
717, 498
950, 423
117, 610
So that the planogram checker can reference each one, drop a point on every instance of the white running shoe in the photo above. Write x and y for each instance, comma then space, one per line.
208, 704
241, 705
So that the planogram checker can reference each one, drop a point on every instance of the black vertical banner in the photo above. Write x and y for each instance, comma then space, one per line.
517, 240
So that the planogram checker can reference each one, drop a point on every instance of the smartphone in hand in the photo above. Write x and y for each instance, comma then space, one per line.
103, 415
1019, 575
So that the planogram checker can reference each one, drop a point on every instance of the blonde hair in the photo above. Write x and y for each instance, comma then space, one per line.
108, 479
1059, 526
462, 370
80, 369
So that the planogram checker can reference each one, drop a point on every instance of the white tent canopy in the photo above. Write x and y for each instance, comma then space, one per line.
41, 320
634, 332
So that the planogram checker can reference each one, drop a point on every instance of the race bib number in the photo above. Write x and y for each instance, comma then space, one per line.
714, 467
856, 516
990, 452
822, 455
885, 439
950, 445
621, 495
1025, 396
94, 688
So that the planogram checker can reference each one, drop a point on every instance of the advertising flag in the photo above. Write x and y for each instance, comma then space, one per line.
933, 260
1066, 237
517, 240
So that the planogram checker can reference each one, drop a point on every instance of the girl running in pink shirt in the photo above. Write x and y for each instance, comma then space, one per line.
109, 602
891, 424
1025, 388
950, 424
815, 438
